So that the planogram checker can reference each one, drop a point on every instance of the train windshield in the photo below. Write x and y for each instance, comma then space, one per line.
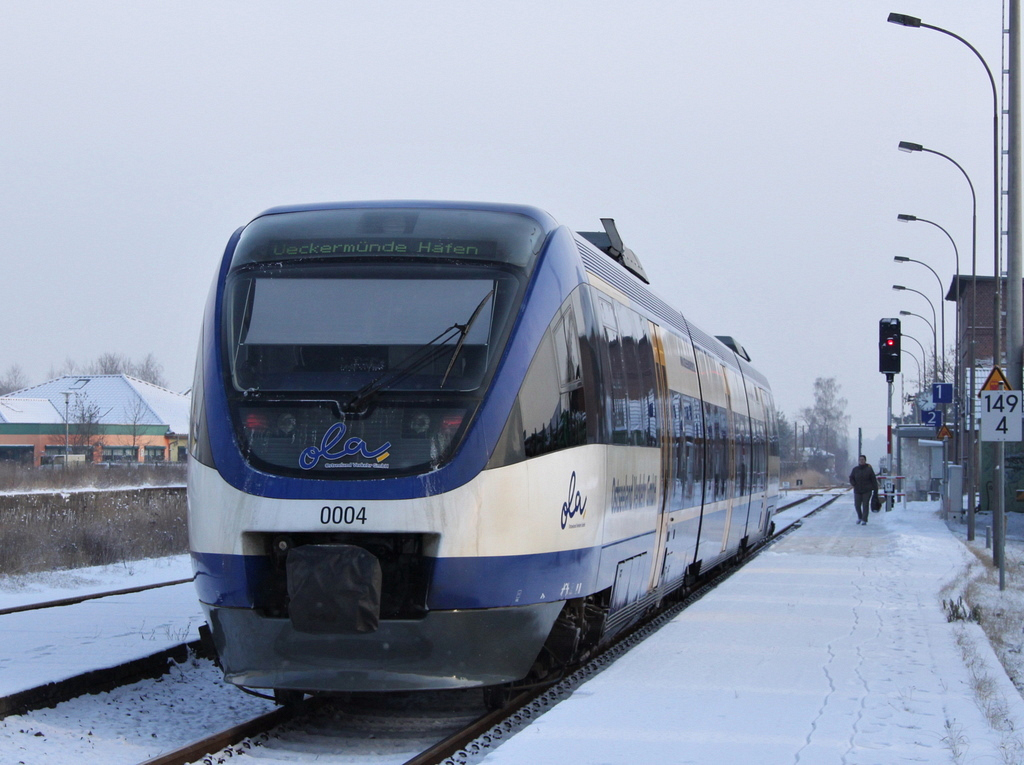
348, 364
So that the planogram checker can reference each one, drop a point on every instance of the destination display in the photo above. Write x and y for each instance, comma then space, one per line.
297, 248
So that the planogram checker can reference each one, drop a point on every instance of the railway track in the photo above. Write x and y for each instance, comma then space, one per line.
93, 680
462, 728
91, 596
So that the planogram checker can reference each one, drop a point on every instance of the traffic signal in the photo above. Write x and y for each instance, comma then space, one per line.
889, 346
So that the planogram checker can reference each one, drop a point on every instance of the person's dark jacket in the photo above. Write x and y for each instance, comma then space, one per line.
863, 479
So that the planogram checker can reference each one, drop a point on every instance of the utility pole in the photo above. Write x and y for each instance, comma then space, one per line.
67, 394
1014, 277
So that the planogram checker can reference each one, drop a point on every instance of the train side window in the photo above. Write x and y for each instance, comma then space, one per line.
617, 373
632, 338
550, 411
567, 350
693, 433
741, 434
199, 434
688, 433
649, 410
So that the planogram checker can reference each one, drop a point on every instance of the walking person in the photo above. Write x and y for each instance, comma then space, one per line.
865, 484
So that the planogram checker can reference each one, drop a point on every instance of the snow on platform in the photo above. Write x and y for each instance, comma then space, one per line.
831, 646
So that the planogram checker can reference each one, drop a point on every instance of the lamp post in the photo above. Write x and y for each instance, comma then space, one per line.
942, 306
930, 327
958, 367
904, 350
909, 147
924, 355
911, 21
905, 20
899, 288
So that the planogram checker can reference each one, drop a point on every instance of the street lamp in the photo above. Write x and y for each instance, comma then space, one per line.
920, 378
942, 305
912, 21
958, 369
910, 147
925, 320
906, 20
924, 355
935, 351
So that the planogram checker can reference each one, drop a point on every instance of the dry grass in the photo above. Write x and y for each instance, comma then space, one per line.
974, 596
14, 477
44, 531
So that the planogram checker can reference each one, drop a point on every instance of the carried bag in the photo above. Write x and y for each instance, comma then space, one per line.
876, 503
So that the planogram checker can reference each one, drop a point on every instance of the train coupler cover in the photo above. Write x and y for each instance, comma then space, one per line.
333, 589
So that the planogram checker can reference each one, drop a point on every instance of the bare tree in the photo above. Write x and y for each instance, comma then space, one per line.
787, 449
83, 425
110, 364
828, 424
150, 370
69, 367
14, 379
135, 414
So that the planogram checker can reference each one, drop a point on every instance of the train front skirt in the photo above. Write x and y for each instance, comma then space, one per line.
444, 649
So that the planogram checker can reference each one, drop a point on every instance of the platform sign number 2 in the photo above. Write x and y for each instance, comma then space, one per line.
1000, 415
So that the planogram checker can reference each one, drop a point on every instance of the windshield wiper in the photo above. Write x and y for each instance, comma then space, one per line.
464, 330
418, 359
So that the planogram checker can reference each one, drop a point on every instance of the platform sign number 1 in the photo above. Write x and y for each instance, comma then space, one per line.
1000, 415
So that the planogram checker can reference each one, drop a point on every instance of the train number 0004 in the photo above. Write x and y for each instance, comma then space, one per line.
338, 515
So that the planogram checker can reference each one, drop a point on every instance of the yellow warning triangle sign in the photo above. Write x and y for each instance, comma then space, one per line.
995, 377
944, 433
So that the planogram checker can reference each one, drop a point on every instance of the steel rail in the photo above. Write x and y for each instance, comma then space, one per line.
74, 600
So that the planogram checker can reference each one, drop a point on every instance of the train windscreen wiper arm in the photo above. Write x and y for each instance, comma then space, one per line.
464, 330
419, 358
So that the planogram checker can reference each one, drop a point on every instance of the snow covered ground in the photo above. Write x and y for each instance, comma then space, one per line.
55, 585
831, 646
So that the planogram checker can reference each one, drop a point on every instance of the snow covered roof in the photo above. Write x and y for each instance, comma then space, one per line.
28, 410
169, 407
120, 399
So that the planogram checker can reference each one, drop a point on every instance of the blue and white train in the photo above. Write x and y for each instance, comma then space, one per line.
444, 444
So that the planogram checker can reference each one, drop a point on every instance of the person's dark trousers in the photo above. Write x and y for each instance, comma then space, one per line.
862, 501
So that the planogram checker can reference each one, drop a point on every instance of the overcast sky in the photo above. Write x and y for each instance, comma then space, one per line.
747, 151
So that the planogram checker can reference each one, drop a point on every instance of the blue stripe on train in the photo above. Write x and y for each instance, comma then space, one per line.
234, 581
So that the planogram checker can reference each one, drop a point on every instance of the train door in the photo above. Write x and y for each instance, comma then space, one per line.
633, 456
732, 425
684, 453
666, 472
718, 470
744, 490
756, 519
